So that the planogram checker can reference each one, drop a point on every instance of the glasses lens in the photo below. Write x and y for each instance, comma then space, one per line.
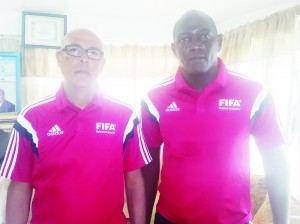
77, 51
95, 54
74, 50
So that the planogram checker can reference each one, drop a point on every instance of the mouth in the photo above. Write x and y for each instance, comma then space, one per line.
198, 56
198, 59
82, 72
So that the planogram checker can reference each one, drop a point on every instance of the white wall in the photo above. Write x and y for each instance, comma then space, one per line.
10, 17
125, 27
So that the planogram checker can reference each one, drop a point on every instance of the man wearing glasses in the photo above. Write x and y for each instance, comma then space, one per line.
76, 148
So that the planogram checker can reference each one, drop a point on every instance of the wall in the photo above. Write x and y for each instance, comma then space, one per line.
10, 18
130, 28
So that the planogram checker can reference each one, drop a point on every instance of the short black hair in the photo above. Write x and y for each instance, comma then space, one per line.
191, 14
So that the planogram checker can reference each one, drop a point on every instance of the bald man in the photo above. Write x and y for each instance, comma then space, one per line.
204, 116
77, 149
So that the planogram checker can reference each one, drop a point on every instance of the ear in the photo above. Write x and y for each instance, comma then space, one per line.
220, 40
173, 48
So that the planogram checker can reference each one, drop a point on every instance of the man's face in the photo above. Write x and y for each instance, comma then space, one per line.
196, 45
80, 71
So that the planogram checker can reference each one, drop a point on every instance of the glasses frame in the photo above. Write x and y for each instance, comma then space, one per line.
83, 51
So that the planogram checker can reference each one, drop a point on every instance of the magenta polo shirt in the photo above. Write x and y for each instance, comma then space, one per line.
205, 173
75, 159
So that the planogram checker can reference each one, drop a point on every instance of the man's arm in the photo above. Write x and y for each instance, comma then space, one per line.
278, 183
18, 202
136, 200
151, 177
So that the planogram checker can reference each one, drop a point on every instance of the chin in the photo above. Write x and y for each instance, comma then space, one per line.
198, 71
197, 68
82, 83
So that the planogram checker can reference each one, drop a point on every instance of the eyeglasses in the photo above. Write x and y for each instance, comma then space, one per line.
76, 51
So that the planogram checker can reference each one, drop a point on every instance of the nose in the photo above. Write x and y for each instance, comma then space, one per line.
197, 44
84, 58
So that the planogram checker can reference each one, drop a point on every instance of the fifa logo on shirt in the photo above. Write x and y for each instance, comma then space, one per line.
107, 128
229, 104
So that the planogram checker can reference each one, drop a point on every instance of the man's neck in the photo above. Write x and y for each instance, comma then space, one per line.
200, 80
80, 97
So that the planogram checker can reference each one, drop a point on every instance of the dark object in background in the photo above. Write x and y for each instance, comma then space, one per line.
4, 138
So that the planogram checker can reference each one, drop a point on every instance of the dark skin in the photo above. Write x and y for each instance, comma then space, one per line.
196, 46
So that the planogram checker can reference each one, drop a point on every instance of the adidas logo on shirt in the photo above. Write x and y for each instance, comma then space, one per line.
55, 130
172, 107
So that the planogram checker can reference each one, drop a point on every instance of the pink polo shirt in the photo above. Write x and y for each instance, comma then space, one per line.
75, 159
205, 173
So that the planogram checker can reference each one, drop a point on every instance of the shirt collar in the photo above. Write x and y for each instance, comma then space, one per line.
220, 81
63, 103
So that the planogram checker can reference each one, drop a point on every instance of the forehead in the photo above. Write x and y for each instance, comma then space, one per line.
85, 39
192, 23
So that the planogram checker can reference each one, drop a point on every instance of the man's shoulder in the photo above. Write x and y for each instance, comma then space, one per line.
8, 103
164, 85
242, 80
115, 104
39, 106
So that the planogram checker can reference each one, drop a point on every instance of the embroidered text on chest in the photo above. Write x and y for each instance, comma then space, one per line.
229, 104
107, 128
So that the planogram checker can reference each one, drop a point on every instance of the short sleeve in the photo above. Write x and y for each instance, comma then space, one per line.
18, 161
136, 152
266, 126
150, 127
